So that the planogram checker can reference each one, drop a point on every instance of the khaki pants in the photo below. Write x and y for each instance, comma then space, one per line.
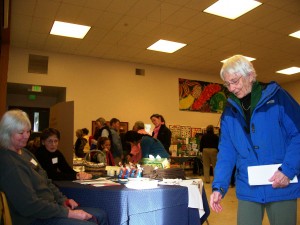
209, 157
279, 213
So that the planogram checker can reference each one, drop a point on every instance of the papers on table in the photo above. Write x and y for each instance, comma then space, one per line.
176, 181
260, 175
142, 184
99, 182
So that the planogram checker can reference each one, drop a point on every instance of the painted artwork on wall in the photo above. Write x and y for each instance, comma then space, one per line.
201, 96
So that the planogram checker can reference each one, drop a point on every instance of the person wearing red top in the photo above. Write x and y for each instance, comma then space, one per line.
104, 145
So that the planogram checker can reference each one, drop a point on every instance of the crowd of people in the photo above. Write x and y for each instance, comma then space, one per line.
107, 145
28, 183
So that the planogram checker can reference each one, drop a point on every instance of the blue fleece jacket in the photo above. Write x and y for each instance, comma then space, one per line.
273, 137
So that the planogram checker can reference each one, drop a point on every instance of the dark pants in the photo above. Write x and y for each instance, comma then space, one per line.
198, 166
279, 213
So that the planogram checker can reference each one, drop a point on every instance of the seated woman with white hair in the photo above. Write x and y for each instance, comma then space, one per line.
32, 198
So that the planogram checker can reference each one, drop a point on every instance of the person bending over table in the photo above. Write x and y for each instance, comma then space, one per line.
148, 144
32, 198
135, 154
53, 161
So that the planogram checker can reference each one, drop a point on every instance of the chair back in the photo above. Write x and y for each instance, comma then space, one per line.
4, 211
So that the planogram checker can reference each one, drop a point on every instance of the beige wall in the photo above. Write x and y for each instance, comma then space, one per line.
293, 89
111, 89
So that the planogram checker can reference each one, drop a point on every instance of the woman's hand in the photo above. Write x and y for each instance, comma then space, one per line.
279, 180
79, 214
94, 142
83, 176
71, 204
215, 201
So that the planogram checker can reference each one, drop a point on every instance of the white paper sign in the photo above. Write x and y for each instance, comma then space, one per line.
54, 160
260, 175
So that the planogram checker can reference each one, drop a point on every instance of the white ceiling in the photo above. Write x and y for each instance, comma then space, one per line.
123, 29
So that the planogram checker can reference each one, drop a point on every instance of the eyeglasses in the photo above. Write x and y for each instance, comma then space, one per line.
233, 82
55, 141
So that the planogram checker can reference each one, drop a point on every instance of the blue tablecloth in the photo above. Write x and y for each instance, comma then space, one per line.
165, 205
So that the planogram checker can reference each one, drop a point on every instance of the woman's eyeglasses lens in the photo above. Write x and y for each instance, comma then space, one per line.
52, 141
233, 82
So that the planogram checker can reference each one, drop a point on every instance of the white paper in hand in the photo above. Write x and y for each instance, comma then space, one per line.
260, 175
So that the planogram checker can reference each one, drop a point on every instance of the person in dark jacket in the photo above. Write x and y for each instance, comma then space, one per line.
116, 142
260, 127
161, 131
102, 130
80, 144
209, 148
32, 198
53, 161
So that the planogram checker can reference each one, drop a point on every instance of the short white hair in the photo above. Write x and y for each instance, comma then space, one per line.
12, 121
238, 64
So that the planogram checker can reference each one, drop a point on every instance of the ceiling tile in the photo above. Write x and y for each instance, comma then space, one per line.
123, 29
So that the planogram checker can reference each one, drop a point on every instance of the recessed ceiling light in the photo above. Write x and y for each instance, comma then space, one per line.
295, 34
289, 71
249, 59
69, 29
166, 46
232, 9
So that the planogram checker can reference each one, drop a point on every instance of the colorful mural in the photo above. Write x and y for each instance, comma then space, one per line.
201, 96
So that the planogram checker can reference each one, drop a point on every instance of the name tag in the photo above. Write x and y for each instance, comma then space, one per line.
54, 160
33, 162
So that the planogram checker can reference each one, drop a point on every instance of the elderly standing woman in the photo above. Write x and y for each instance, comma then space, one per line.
259, 126
32, 198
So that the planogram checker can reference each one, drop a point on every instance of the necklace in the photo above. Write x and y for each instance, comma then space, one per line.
246, 109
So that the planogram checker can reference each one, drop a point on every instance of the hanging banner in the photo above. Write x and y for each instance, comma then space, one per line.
201, 96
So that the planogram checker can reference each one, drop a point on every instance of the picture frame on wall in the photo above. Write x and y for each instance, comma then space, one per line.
123, 127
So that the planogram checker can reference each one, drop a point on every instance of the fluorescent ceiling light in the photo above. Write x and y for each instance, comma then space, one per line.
295, 34
166, 46
69, 29
249, 59
232, 9
289, 71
